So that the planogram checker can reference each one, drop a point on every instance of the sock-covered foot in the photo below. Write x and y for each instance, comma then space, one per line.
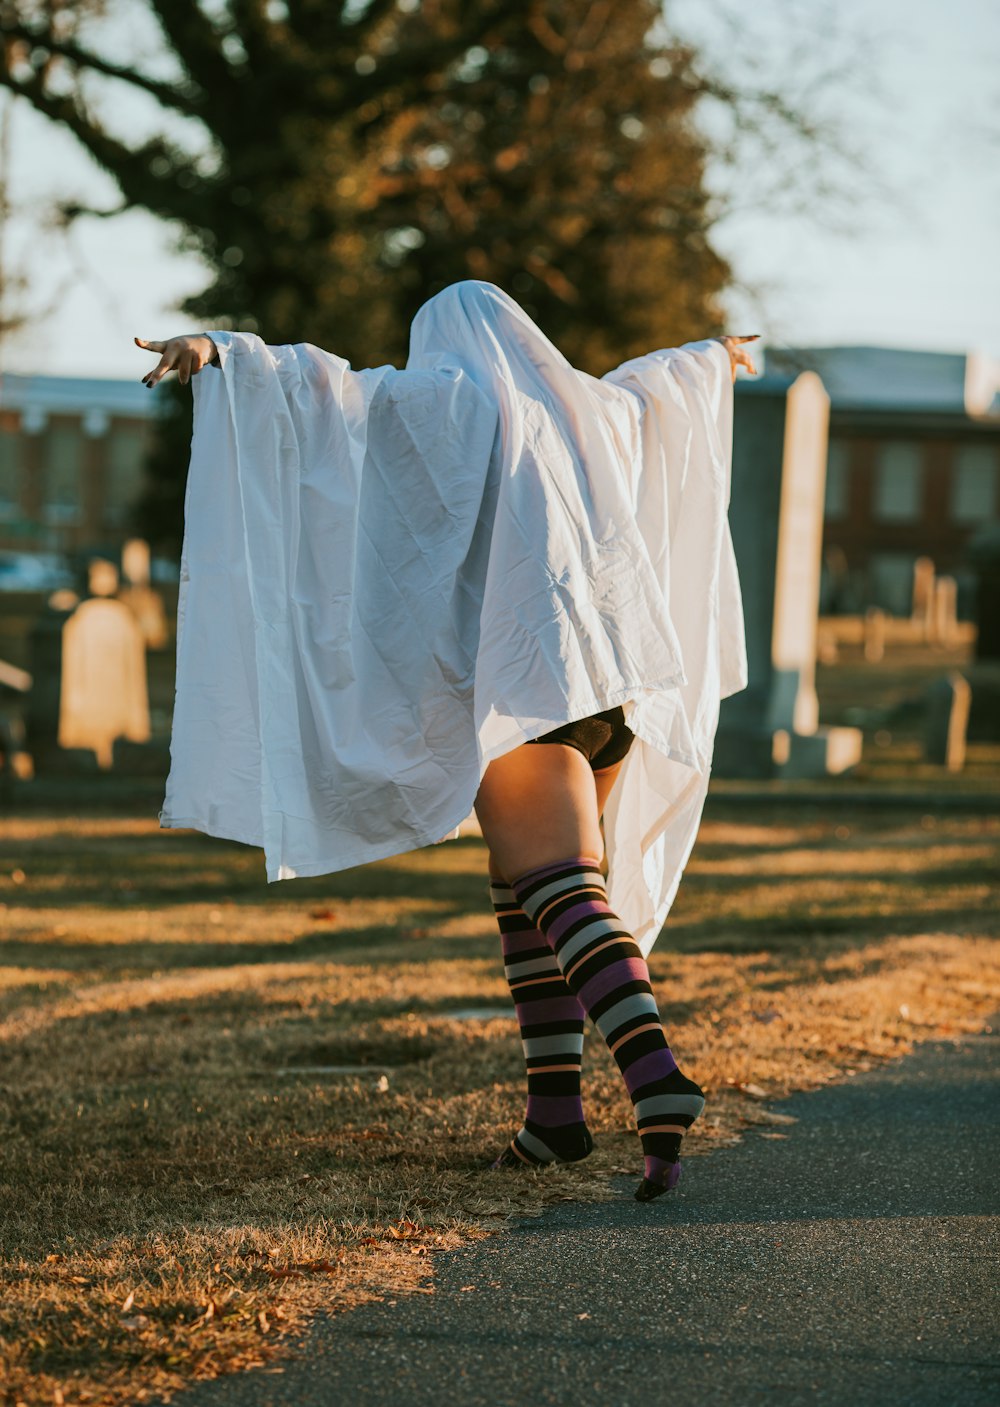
650, 1188
665, 1110
605, 969
535, 1146
551, 1022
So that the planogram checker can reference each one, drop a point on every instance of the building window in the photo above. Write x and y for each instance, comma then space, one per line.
63, 474
899, 483
838, 480
974, 484
10, 475
123, 473
890, 582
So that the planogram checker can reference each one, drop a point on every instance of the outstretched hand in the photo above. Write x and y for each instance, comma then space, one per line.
185, 355
737, 356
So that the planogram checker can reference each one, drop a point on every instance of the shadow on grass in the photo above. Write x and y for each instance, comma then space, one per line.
801, 931
356, 947
81, 871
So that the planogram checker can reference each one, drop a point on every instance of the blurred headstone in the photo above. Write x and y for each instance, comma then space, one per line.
923, 594
946, 721
776, 519
103, 684
142, 599
945, 611
875, 627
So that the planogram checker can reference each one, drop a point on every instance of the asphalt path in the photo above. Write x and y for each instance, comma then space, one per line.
852, 1261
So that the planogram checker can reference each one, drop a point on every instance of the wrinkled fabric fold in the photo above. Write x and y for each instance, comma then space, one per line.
391, 577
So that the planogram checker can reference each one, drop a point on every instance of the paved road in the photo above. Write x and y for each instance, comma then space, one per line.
853, 1262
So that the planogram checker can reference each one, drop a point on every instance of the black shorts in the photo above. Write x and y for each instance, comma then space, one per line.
603, 738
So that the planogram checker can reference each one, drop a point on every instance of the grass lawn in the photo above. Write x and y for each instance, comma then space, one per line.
181, 1187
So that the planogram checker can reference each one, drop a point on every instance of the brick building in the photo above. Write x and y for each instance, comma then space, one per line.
913, 467
71, 460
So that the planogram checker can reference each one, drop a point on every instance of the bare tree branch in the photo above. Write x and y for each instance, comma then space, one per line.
167, 94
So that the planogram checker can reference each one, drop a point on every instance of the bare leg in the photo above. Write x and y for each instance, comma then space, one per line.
540, 803
551, 1019
538, 808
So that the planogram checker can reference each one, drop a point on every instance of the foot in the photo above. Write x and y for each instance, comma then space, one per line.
649, 1189
536, 1146
665, 1117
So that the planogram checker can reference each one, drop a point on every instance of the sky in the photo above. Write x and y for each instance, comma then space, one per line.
903, 251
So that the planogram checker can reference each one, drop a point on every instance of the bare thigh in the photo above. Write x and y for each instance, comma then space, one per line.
538, 804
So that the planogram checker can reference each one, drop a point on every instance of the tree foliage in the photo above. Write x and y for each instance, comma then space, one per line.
336, 162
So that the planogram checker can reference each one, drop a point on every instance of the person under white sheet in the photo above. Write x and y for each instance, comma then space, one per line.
395, 583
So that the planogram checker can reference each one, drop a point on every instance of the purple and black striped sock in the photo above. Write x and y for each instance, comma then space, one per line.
551, 1021
604, 968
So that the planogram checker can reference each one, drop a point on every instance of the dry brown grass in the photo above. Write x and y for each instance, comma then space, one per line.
174, 1206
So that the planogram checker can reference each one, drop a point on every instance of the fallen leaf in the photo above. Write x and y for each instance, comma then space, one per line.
750, 1090
404, 1231
129, 1302
583, 1316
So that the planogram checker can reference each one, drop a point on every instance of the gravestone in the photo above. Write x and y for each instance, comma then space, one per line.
946, 721
776, 519
922, 608
944, 611
875, 622
142, 599
103, 679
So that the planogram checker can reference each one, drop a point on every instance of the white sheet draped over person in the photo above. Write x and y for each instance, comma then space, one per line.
391, 577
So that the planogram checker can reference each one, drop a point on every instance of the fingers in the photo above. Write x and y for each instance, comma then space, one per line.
187, 367
163, 365
185, 355
737, 356
174, 357
170, 361
160, 370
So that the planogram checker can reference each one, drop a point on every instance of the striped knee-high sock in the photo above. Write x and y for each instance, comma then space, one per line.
604, 968
551, 1021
